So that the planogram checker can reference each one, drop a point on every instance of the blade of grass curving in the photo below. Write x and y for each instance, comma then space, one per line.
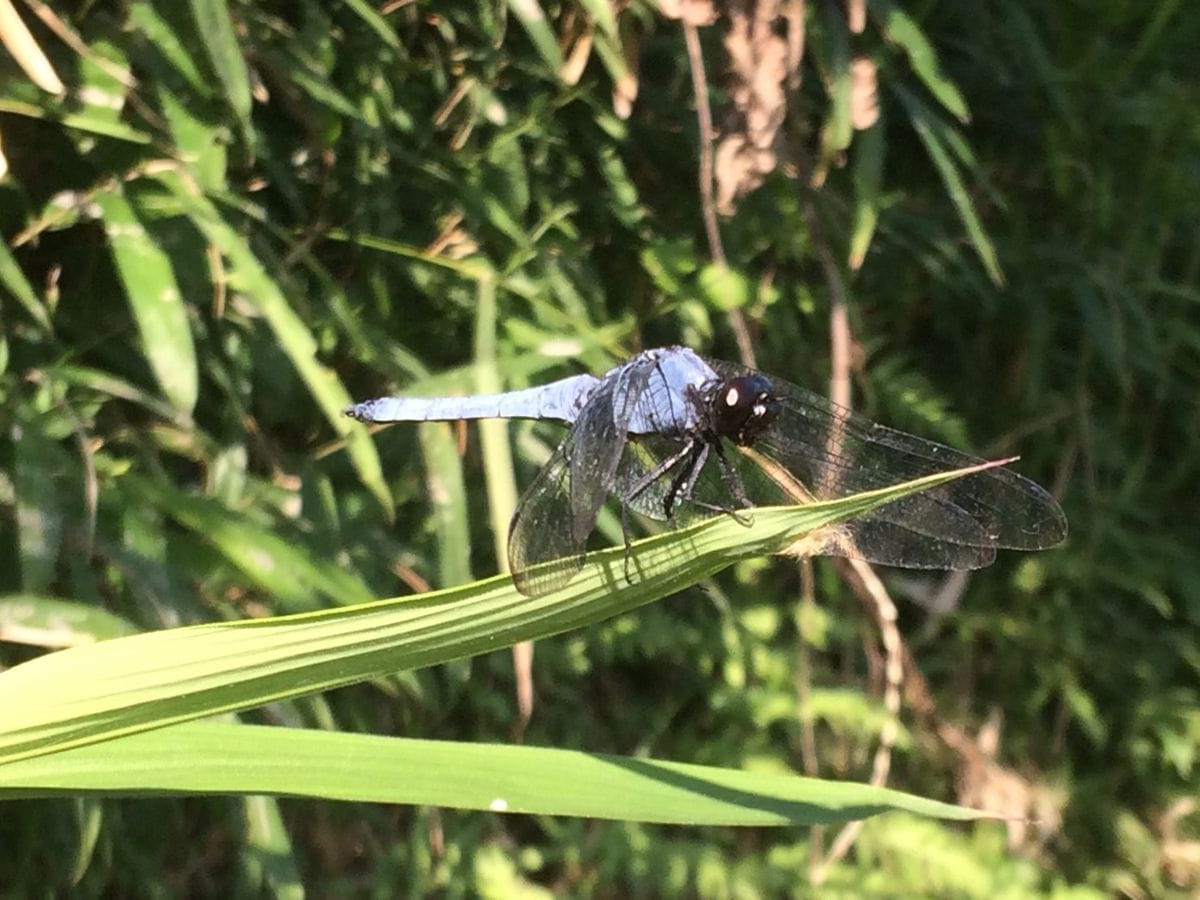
132, 684
110, 385
13, 279
903, 31
375, 22
938, 137
472, 267
534, 19
87, 122
287, 570
324, 94
223, 758
214, 28
154, 298
41, 621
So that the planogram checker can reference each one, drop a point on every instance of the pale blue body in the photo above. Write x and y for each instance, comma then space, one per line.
664, 406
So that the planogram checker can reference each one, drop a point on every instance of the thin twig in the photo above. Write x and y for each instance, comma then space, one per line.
68, 36
866, 584
708, 205
859, 575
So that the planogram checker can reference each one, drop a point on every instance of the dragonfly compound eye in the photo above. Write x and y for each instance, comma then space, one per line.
743, 407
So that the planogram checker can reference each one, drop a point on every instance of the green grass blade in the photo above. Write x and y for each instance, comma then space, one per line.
15, 282
88, 122
939, 138
448, 501
154, 297
838, 130
178, 80
533, 17
268, 857
285, 569
216, 32
903, 31
110, 385
38, 463
494, 440
41, 621
601, 12
867, 176
473, 267
223, 758
132, 684
377, 23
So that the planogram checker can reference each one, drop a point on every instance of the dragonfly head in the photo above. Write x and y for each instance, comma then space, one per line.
742, 407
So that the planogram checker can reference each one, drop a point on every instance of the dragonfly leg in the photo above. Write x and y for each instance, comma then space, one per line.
730, 476
732, 482
685, 483
658, 471
625, 535
642, 484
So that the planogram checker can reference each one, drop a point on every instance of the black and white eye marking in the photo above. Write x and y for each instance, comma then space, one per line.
743, 407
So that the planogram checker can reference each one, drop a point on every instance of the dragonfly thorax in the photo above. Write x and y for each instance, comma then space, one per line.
740, 408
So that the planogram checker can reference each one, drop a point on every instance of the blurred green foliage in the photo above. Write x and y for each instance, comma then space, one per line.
241, 215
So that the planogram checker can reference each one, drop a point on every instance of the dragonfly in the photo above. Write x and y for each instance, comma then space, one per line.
676, 436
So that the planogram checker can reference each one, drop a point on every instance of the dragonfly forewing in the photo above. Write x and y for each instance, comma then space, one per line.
834, 453
600, 436
548, 537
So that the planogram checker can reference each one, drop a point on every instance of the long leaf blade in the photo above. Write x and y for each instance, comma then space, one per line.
215, 29
533, 17
155, 299
217, 757
938, 138
15, 282
161, 678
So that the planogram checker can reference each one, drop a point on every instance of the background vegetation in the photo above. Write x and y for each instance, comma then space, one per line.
234, 217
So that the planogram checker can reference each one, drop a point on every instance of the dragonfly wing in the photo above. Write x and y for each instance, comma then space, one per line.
926, 530
599, 439
548, 537
834, 453
543, 553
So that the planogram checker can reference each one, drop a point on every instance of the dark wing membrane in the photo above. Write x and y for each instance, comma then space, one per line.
542, 551
548, 537
597, 441
835, 453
